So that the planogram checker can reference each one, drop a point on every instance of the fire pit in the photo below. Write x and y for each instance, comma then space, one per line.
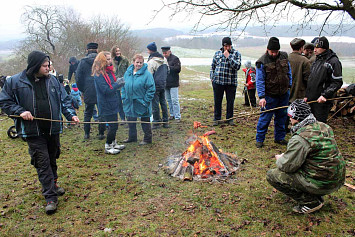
202, 161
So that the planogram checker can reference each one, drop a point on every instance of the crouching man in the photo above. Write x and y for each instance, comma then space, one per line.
312, 166
36, 93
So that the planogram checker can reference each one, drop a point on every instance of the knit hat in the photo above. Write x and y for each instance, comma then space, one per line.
92, 46
322, 42
299, 110
74, 85
274, 44
226, 41
152, 47
247, 64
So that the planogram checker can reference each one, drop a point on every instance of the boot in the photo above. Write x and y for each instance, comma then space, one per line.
51, 207
110, 150
117, 146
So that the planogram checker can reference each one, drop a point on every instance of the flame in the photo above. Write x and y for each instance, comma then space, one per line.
205, 160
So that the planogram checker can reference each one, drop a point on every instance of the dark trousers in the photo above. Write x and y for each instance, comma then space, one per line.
159, 98
321, 111
88, 113
288, 184
218, 92
120, 106
44, 151
112, 127
251, 93
146, 127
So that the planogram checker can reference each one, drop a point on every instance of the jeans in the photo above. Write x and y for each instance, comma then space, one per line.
44, 151
159, 98
279, 120
88, 114
120, 106
172, 96
218, 92
146, 127
112, 127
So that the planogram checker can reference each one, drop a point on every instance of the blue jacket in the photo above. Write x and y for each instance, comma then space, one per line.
17, 97
107, 98
138, 92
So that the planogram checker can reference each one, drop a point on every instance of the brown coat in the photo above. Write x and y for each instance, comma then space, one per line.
300, 67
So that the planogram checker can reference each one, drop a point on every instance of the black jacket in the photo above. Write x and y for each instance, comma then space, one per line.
17, 97
72, 67
326, 76
85, 80
175, 68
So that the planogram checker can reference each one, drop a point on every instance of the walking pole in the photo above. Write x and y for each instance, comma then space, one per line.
251, 108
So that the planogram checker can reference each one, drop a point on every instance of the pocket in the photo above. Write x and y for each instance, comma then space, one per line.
140, 107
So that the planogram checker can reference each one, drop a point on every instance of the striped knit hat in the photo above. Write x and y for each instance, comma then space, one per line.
299, 110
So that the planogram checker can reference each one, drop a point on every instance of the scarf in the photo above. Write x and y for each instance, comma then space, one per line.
308, 120
118, 59
109, 69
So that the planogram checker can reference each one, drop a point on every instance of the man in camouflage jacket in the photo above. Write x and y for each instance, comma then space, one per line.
312, 166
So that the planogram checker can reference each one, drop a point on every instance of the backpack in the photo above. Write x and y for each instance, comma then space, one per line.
160, 76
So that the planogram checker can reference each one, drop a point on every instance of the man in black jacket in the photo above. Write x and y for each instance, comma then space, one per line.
36, 93
73, 65
172, 83
85, 82
325, 79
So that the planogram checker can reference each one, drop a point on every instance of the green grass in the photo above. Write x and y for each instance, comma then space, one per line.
131, 194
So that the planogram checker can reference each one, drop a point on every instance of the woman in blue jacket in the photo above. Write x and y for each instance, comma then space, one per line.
137, 95
107, 98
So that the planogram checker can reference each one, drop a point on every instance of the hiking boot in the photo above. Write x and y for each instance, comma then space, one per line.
129, 140
306, 209
110, 150
281, 142
51, 207
60, 191
117, 146
86, 136
216, 122
101, 136
171, 118
142, 143
259, 144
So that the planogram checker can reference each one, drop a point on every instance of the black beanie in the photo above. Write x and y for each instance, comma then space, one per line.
34, 62
299, 110
321, 42
274, 44
226, 41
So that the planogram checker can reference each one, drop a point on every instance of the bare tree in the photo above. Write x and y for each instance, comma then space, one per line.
233, 14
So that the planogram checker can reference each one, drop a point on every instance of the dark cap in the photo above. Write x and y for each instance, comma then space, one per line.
274, 44
297, 42
226, 41
165, 48
309, 46
321, 42
92, 46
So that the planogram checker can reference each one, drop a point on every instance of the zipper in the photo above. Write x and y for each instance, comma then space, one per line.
50, 107
34, 109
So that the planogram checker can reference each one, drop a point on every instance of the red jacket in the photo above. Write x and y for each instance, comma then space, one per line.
250, 79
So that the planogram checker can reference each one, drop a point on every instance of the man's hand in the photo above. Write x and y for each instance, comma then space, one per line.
26, 115
75, 119
305, 99
226, 53
262, 103
321, 99
279, 156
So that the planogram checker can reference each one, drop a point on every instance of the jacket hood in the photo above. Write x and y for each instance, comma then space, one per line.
140, 71
34, 61
156, 55
327, 54
90, 58
73, 60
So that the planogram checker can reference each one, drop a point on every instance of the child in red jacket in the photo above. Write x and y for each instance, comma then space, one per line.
249, 89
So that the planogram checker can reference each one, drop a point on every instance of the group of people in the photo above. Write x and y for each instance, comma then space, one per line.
312, 166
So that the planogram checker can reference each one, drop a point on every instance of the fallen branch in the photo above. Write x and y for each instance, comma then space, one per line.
350, 186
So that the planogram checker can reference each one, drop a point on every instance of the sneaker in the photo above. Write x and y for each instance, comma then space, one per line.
303, 209
110, 150
129, 140
259, 144
101, 136
142, 143
60, 191
281, 142
171, 118
117, 146
51, 207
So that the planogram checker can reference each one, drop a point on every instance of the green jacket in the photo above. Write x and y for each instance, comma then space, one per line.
120, 68
301, 68
313, 155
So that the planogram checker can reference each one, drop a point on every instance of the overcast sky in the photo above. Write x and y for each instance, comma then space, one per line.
137, 14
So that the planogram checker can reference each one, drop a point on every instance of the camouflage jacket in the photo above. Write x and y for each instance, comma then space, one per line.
313, 154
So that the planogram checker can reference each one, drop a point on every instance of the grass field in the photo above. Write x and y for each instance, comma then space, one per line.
131, 194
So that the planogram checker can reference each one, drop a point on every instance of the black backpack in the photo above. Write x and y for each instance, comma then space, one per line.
160, 76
